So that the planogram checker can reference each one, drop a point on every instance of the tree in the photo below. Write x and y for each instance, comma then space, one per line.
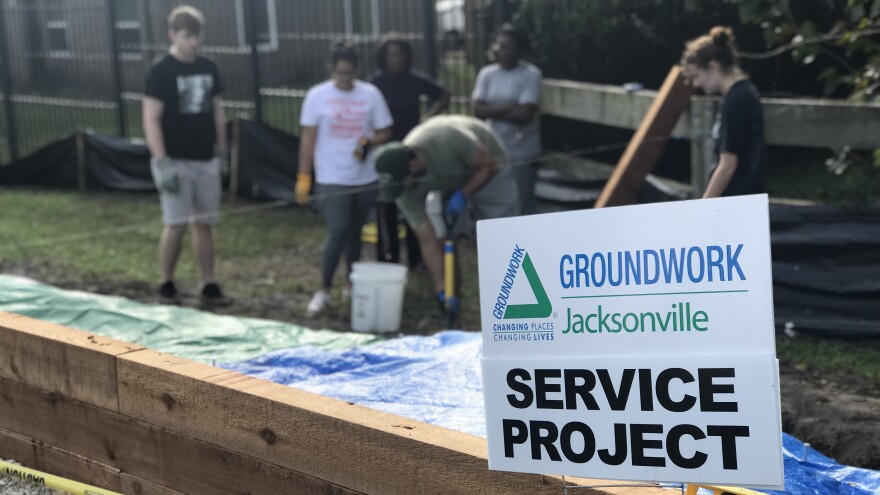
841, 34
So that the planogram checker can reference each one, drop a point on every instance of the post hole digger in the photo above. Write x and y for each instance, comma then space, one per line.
455, 206
443, 218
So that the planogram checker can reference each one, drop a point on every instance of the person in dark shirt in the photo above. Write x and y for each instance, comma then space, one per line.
710, 63
402, 88
185, 130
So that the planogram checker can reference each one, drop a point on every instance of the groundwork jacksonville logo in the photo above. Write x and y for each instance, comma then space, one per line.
540, 309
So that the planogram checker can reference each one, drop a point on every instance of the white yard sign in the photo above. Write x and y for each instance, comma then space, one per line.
633, 343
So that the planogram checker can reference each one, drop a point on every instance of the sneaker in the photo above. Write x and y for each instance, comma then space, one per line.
213, 296
168, 293
319, 301
346, 293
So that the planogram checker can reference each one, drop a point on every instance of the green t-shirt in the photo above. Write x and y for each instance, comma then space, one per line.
449, 144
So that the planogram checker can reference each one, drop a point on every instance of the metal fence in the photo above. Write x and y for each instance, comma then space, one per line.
69, 65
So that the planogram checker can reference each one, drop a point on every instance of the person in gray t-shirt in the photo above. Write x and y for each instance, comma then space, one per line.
507, 94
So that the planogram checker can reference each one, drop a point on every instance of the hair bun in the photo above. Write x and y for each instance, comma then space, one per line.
721, 35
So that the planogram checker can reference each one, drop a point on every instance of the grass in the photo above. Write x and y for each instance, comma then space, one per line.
835, 356
268, 259
802, 174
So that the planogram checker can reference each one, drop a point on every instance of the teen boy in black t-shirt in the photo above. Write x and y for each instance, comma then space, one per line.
185, 131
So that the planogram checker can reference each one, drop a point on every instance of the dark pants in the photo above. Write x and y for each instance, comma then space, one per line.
388, 243
526, 177
345, 210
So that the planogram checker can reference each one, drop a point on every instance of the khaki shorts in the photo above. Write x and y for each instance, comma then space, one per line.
198, 200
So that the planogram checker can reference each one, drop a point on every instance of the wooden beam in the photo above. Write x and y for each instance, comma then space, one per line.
182, 463
132, 485
61, 360
347, 445
821, 123
40, 456
647, 143
600, 104
809, 123
185, 427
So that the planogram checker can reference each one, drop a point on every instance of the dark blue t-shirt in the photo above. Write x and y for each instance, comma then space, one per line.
402, 93
739, 129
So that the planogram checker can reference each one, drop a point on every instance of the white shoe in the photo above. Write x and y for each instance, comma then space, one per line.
319, 301
346, 293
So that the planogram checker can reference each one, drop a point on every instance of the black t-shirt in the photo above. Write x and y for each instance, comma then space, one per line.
402, 93
188, 91
739, 129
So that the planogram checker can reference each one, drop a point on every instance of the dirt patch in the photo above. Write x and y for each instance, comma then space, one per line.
838, 414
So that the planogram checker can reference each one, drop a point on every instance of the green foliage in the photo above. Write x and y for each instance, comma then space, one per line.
842, 34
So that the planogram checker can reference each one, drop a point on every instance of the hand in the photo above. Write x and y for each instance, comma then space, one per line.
441, 301
456, 204
303, 186
165, 175
363, 148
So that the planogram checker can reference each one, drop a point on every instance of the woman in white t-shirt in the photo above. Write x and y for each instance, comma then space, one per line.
342, 120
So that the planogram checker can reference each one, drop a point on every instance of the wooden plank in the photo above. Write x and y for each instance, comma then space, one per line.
809, 123
69, 362
175, 461
48, 459
132, 485
820, 123
601, 104
647, 143
344, 444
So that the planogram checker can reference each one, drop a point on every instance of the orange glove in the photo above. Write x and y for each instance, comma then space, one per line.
303, 186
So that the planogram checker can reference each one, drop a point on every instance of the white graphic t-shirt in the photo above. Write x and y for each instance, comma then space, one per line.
194, 93
342, 118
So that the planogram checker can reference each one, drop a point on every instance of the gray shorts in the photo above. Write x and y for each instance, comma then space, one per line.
198, 200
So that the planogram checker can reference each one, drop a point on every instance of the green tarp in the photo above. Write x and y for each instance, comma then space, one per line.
183, 332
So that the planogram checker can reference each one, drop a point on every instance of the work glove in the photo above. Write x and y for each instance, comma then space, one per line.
303, 186
165, 175
441, 301
456, 204
363, 148
448, 306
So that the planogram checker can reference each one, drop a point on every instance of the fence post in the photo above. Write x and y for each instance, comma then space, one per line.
81, 172
702, 153
234, 158
430, 17
251, 20
6, 76
117, 70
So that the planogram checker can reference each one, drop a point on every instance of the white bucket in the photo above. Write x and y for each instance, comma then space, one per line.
377, 296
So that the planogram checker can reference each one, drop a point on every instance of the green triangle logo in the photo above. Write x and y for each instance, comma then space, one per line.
542, 308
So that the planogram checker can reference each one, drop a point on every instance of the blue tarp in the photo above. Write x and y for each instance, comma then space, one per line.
431, 379
437, 380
